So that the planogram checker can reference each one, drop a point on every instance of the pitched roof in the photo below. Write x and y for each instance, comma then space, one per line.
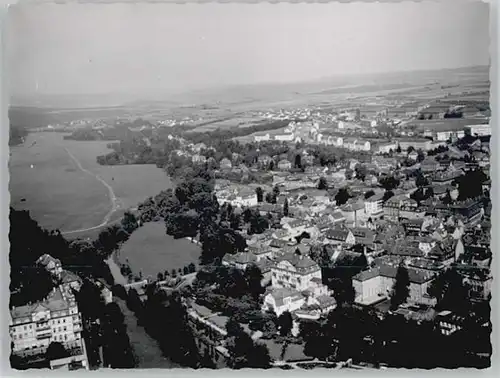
280, 294
337, 234
46, 259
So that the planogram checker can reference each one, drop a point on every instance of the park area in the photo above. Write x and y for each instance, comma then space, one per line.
150, 251
62, 185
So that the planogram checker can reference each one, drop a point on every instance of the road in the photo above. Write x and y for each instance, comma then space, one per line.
112, 198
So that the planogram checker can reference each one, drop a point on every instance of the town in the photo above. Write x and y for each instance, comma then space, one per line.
315, 236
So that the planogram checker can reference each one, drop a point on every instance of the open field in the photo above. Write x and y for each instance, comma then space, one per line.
62, 194
150, 251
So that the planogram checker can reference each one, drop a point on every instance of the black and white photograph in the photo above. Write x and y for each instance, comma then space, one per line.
265, 186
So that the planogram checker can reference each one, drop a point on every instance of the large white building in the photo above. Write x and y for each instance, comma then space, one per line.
262, 138
33, 327
285, 137
295, 283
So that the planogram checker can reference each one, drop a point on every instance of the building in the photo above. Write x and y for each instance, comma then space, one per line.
262, 138
355, 144
392, 205
33, 327
239, 260
290, 137
478, 130
295, 272
198, 159
375, 284
417, 144
373, 206
443, 136
385, 148
340, 236
50, 264
225, 164
284, 165
283, 299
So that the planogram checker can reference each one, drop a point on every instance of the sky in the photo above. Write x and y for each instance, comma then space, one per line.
159, 48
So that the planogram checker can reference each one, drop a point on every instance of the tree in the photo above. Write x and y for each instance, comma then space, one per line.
260, 194
285, 323
322, 183
389, 183
276, 191
421, 180
387, 194
401, 288
129, 222
253, 276
243, 352
420, 156
191, 268
270, 198
160, 277
369, 194
298, 161
361, 172
285, 207
55, 351
342, 196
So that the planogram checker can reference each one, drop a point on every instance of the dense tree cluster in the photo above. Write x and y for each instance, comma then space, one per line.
243, 351
117, 351
29, 241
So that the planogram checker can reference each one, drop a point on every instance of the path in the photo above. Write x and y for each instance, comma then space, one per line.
112, 198
146, 349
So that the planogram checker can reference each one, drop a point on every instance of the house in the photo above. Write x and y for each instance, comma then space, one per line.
225, 164
355, 144
392, 205
262, 138
373, 206
50, 264
281, 300
260, 251
239, 260
198, 159
417, 144
385, 148
284, 165
340, 236
363, 236
297, 226
413, 155
70, 280
295, 272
